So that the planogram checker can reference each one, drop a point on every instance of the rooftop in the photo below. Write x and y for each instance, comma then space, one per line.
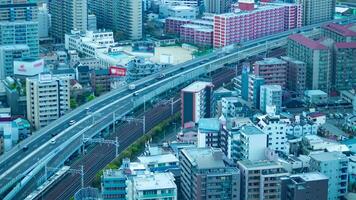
292, 60
344, 30
205, 158
154, 181
314, 92
301, 39
256, 165
327, 156
209, 124
164, 158
311, 176
270, 61
346, 45
197, 86
251, 130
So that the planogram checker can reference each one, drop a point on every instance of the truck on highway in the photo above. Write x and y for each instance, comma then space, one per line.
132, 86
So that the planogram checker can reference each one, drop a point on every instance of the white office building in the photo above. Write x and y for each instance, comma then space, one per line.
271, 96
276, 130
48, 98
159, 186
253, 144
180, 11
91, 43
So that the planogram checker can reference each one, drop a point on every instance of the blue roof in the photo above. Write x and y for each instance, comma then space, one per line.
209, 124
349, 141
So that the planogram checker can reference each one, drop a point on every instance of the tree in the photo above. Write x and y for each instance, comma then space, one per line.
73, 103
90, 97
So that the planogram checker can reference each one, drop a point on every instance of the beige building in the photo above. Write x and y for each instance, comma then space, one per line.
127, 17
48, 98
261, 179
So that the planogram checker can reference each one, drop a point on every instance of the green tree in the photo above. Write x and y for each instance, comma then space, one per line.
73, 103
90, 97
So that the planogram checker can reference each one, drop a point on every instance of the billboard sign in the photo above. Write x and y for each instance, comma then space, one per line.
117, 71
28, 68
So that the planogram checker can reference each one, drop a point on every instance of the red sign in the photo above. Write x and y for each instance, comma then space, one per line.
117, 71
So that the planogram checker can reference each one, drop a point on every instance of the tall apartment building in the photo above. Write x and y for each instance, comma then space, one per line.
312, 185
68, 15
196, 102
127, 18
205, 175
113, 185
273, 70
20, 32
18, 25
9, 53
334, 165
47, 98
296, 75
276, 130
158, 186
344, 66
261, 179
103, 10
250, 23
318, 59
253, 144
209, 133
217, 6
271, 95
339, 33
43, 22
316, 11
18, 10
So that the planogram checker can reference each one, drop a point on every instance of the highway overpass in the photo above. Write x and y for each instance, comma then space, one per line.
18, 167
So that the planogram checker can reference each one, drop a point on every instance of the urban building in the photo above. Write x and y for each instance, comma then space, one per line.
209, 133
276, 129
10, 53
114, 181
318, 59
296, 75
160, 162
47, 99
18, 10
196, 102
92, 22
158, 186
199, 35
173, 24
179, 11
250, 23
344, 65
29, 35
271, 96
315, 97
217, 6
67, 15
335, 166
127, 18
312, 185
100, 80
90, 43
234, 107
44, 22
205, 175
103, 10
273, 70
316, 11
253, 144
261, 179
113, 185
339, 33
